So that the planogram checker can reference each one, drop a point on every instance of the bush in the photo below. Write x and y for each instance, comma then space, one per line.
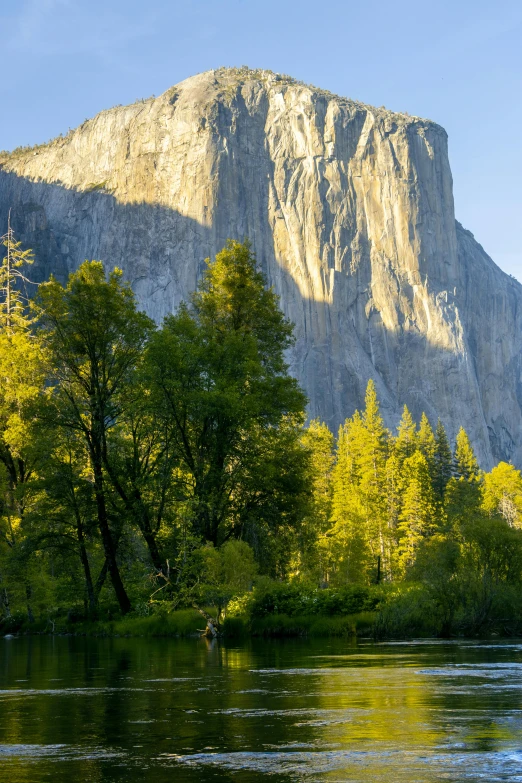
293, 600
410, 612
278, 625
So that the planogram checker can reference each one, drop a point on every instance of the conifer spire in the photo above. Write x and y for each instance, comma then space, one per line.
443, 460
13, 304
406, 441
465, 463
417, 518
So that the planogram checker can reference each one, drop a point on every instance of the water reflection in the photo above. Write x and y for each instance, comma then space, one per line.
130, 709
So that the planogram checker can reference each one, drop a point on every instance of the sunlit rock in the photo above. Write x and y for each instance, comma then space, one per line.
349, 210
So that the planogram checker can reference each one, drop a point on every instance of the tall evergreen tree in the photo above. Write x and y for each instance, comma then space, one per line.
406, 441
394, 491
13, 304
426, 443
417, 518
463, 496
318, 441
465, 464
347, 542
372, 471
443, 461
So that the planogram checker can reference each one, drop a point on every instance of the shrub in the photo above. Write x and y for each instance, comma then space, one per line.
294, 599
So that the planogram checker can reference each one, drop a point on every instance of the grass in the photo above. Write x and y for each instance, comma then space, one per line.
183, 622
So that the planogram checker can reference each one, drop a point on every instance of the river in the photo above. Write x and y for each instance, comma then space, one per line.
74, 709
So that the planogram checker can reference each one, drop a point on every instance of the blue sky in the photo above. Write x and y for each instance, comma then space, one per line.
459, 63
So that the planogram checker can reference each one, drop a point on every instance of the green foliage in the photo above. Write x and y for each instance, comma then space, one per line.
166, 474
218, 378
294, 599
442, 461
418, 513
502, 493
281, 625
465, 462
406, 441
13, 303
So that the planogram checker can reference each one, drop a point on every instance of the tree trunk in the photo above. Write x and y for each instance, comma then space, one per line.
108, 543
137, 508
89, 589
102, 576
154, 552
91, 596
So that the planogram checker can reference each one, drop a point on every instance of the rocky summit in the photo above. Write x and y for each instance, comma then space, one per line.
350, 211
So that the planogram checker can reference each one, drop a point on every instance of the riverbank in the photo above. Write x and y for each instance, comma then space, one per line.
188, 622
277, 610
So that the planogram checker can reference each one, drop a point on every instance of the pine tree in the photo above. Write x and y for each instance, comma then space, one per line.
465, 464
394, 485
318, 441
427, 443
346, 543
443, 461
13, 305
418, 515
406, 441
372, 476
343, 475
463, 496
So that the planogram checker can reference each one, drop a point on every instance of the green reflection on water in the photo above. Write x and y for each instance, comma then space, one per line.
77, 709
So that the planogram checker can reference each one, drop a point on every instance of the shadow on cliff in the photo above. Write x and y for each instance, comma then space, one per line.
339, 344
65, 226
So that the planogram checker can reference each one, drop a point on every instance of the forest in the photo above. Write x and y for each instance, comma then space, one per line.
153, 474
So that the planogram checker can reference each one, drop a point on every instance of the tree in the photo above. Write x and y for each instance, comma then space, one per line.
218, 378
465, 464
347, 544
61, 521
427, 444
372, 476
13, 305
95, 337
394, 492
406, 441
21, 381
417, 518
318, 441
462, 498
141, 464
442, 461
502, 493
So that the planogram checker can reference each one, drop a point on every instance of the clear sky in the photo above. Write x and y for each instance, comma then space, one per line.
458, 62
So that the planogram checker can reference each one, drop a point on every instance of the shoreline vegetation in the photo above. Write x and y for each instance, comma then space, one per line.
162, 480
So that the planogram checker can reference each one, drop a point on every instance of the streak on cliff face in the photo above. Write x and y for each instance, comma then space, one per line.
350, 211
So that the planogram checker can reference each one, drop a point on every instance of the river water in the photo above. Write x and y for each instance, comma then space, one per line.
75, 709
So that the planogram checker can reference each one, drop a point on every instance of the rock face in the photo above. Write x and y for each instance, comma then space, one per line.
350, 212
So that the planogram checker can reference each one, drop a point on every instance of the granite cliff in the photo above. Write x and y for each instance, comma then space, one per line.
349, 209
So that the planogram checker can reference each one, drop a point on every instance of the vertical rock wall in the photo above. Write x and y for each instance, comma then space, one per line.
350, 212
